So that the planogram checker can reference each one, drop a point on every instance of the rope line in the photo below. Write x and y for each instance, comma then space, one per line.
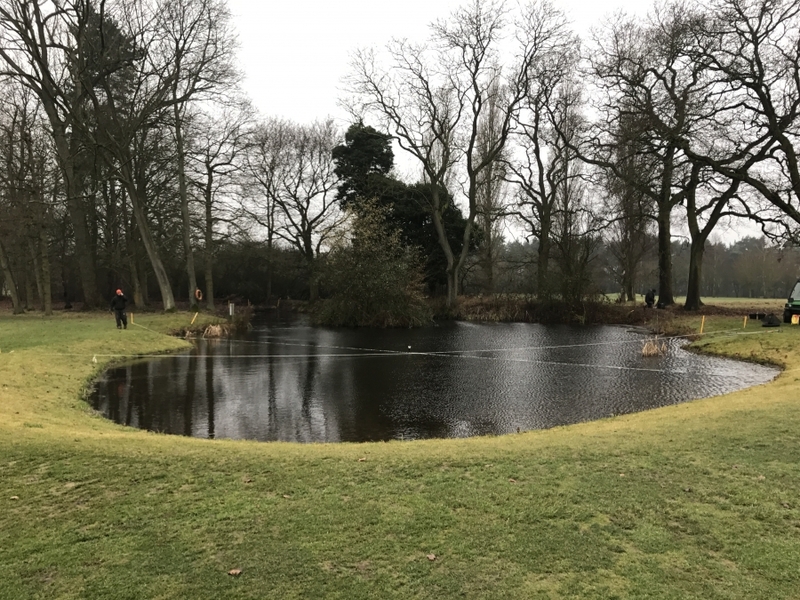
147, 328
288, 342
438, 355
377, 352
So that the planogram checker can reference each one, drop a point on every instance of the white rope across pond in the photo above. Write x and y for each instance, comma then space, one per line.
277, 340
366, 355
379, 352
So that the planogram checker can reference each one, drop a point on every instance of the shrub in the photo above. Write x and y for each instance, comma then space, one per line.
373, 279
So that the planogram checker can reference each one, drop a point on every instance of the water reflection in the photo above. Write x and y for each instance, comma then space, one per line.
289, 381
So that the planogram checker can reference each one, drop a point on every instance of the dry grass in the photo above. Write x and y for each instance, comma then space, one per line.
652, 347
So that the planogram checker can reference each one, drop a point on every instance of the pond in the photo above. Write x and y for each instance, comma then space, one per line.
289, 381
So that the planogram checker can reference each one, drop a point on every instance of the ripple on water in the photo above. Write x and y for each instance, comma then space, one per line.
305, 384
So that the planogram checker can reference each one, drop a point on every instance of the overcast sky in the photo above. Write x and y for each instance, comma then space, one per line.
295, 53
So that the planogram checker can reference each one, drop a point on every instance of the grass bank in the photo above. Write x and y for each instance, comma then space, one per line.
699, 500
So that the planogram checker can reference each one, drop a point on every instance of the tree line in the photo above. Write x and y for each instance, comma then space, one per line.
544, 163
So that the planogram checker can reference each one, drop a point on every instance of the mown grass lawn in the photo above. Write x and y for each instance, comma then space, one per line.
699, 500
761, 304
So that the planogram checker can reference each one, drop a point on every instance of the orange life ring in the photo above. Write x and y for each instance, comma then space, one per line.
198, 294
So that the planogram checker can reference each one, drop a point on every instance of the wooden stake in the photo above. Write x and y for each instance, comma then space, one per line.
194, 317
744, 325
702, 324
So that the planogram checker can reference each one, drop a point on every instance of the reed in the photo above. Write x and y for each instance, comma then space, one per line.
654, 347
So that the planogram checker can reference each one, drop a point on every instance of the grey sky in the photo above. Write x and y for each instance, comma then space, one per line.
294, 53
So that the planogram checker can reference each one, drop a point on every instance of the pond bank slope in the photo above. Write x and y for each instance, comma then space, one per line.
698, 500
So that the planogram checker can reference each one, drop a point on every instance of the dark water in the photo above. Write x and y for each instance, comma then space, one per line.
289, 381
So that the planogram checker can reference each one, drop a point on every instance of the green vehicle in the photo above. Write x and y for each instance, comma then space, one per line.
793, 305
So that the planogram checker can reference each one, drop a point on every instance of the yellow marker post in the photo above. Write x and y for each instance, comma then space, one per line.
702, 324
744, 325
193, 318
131, 318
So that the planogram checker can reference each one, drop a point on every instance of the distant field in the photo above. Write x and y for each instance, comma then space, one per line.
773, 303
777, 302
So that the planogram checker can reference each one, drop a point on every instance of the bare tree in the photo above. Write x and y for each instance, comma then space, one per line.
293, 168
628, 211
218, 141
651, 86
266, 162
576, 227
434, 100
751, 48
707, 198
202, 51
41, 45
722, 69
423, 110
491, 199
157, 53
533, 166
26, 186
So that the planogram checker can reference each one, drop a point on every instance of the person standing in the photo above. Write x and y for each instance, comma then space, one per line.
118, 304
650, 298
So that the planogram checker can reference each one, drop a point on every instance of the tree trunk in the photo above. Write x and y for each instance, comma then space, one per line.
11, 283
630, 294
462, 257
313, 286
113, 221
696, 252
77, 213
30, 300
313, 276
47, 287
83, 251
144, 284
665, 296
184, 195
209, 239
209, 277
149, 243
699, 236
138, 298
488, 254
269, 265
37, 272
452, 288
452, 280
542, 268
44, 85
629, 277
131, 251
488, 266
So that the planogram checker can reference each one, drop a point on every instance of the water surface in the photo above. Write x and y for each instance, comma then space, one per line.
293, 382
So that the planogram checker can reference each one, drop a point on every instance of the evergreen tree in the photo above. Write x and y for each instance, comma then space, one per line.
364, 163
